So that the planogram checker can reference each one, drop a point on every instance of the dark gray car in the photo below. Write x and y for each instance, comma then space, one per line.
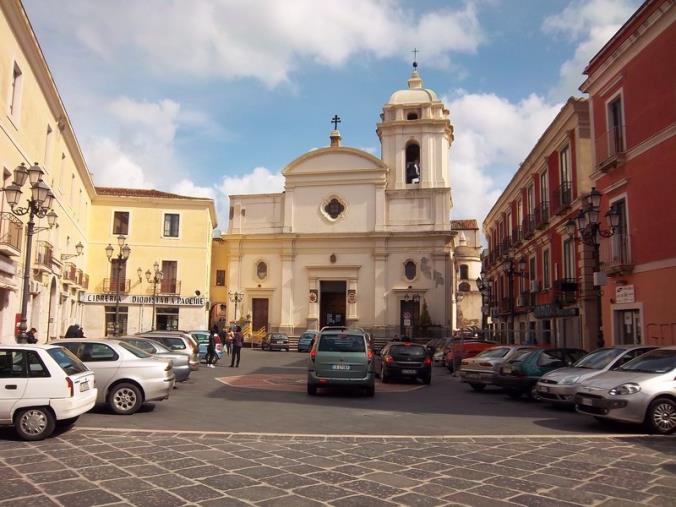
155, 348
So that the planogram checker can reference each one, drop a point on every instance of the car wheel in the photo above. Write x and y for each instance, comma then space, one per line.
371, 391
125, 399
477, 387
34, 423
514, 394
661, 416
533, 394
66, 423
311, 389
383, 376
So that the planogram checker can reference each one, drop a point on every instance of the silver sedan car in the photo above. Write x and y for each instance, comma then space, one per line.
560, 386
154, 348
641, 391
481, 370
126, 376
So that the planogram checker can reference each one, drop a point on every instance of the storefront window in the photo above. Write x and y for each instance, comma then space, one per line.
167, 318
110, 320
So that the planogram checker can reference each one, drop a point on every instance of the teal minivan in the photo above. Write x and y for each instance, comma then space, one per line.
341, 358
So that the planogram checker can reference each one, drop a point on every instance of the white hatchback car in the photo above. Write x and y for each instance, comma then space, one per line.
41, 387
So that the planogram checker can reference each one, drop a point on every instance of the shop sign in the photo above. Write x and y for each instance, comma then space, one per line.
127, 299
624, 294
551, 311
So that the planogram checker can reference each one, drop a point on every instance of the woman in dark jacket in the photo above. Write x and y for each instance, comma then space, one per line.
211, 348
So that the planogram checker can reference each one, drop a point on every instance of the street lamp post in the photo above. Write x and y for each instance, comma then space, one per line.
39, 205
587, 224
512, 271
484, 286
154, 277
235, 297
121, 258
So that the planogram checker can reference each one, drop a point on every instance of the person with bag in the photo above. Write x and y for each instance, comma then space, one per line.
211, 348
237, 342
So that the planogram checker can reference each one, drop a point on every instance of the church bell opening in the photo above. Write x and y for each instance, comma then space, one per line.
332, 303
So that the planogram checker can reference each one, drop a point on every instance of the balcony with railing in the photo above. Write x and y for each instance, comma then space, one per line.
505, 245
614, 255
528, 226
78, 277
566, 290
112, 285
542, 215
44, 254
169, 286
11, 229
523, 301
69, 273
504, 306
563, 196
611, 148
85, 281
517, 235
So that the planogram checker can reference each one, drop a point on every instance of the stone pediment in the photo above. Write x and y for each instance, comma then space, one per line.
334, 161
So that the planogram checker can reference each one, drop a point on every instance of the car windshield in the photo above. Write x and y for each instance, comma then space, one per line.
521, 355
408, 350
307, 336
655, 361
494, 353
134, 350
160, 347
598, 359
201, 337
68, 362
341, 343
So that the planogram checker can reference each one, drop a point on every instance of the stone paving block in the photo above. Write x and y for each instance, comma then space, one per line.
15, 488
8, 473
372, 488
434, 490
454, 483
476, 500
33, 501
49, 465
394, 480
129, 462
361, 501
383, 466
352, 470
273, 461
493, 491
82, 462
540, 501
467, 473
613, 491
417, 473
289, 481
145, 470
302, 469
226, 501
331, 477
663, 491
196, 493
551, 480
67, 486
616, 502
126, 485
100, 473
416, 500
258, 472
25, 458
87, 498
498, 470
154, 498
323, 492
113, 455
290, 501
42, 477
517, 484
169, 481
228, 481
177, 464
256, 493
575, 496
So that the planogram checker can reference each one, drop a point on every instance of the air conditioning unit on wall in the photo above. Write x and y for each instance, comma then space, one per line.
535, 285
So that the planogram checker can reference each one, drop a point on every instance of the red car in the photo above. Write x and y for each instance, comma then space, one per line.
459, 349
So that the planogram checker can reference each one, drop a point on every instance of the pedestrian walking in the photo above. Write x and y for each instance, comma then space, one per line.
31, 338
73, 331
223, 336
237, 342
230, 335
211, 348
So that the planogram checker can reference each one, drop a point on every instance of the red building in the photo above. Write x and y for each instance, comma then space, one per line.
540, 278
631, 84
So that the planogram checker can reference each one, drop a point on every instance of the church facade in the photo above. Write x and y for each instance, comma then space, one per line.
354, 239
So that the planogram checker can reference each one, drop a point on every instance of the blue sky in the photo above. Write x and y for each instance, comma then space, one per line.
215, 97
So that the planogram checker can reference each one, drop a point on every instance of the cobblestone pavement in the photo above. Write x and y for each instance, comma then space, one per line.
85, 467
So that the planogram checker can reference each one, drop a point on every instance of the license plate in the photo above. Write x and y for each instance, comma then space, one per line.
472, 375
507, 369
340, 366
84, 386
408, 372
544, 389
586, 401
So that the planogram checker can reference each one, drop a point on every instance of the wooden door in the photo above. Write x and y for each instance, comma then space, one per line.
259, 319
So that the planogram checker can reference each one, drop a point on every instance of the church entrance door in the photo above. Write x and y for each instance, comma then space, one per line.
259, 318
332, 303
409, 317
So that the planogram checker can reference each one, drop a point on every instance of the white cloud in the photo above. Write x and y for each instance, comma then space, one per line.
260, 38
189, 189
490, 133
590, 24
112, 167
259, 181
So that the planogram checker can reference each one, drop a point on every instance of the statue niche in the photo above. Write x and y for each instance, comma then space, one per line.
412, 163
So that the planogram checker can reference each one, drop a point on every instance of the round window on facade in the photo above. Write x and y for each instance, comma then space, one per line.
464, 287
410, 270
262, 270
334, 208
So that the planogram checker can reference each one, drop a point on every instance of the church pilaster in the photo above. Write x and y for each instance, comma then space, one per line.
287, 293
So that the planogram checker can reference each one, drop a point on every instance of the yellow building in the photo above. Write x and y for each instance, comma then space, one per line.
164, 232
35, 128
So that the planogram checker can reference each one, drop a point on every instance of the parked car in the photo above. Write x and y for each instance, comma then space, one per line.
341, 358
126, 376
42, 387
559, 386
275, 341
640, 391
458, 349
306, 340
403, 360
177, 342
480, 371
520, 374
155, 348
436, 348
202, 338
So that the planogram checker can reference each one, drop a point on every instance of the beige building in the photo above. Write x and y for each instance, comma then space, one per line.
354, 239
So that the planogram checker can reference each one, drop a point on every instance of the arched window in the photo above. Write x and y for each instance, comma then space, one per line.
413, 163
410, 270
464, 272
412, 116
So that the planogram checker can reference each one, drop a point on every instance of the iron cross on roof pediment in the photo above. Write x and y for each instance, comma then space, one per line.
335, 120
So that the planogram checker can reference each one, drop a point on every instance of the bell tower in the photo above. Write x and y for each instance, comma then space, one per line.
415, 136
